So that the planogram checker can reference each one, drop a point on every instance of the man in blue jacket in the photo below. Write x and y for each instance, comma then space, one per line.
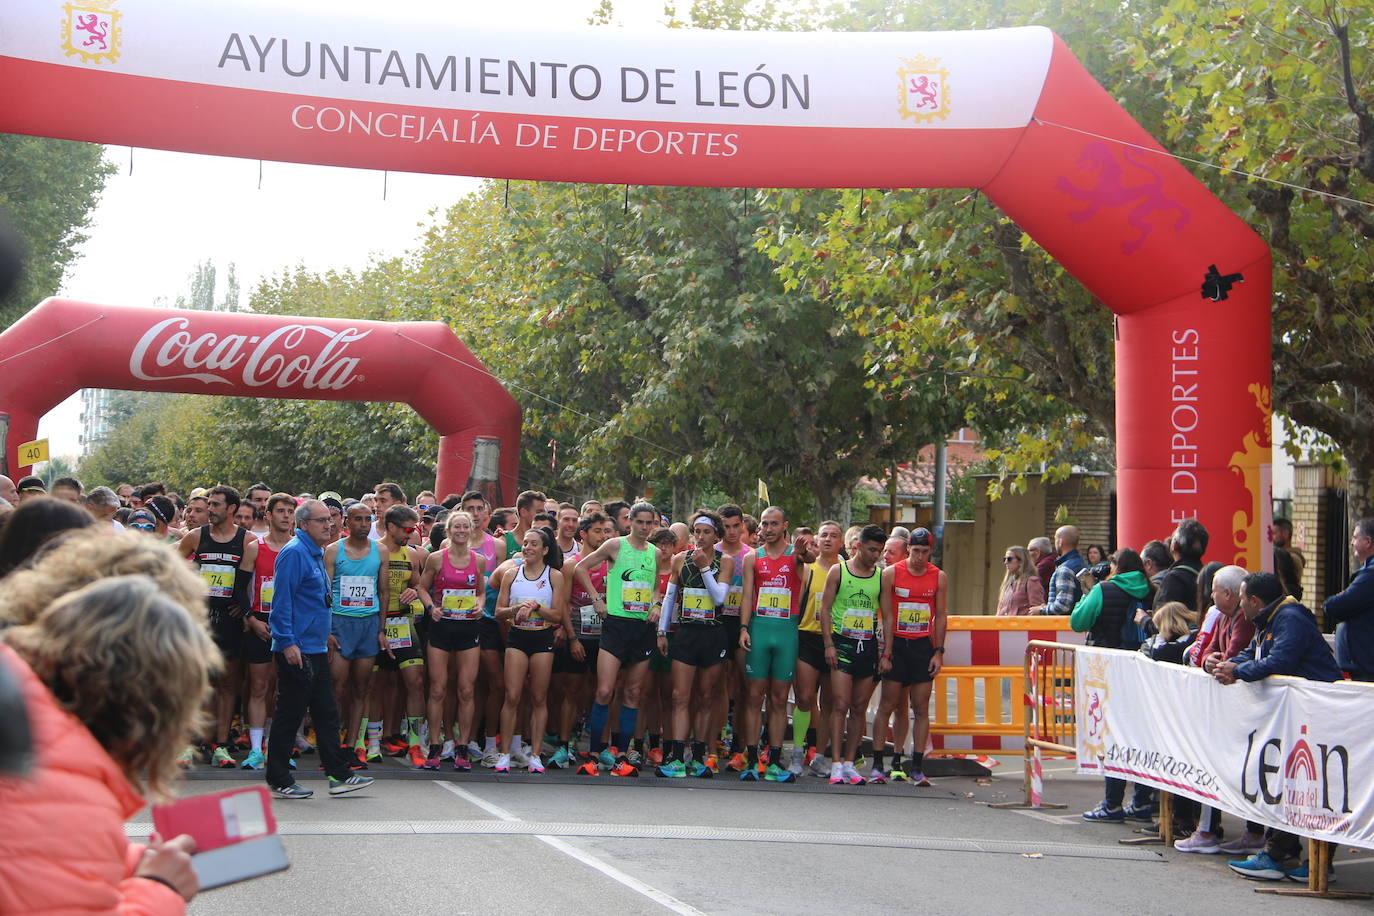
1353, 609
300, 646
1286, 641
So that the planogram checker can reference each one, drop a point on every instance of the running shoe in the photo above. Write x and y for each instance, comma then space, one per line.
243, 742
462, 763
701, 770
837, 773
625, 768
1201, 842
877, 776
588, 767
919, 779
395, 746
254, 761
775, 773
898, 775
606, 758
431, 763
187, 758
519, 758
810, 755
351, 784
1260, 867
749, 774
736, 762
712, 763
417, 756
1299, 874
795, 767
220, 758
503, 763
673, 769
361, 756
535, 765
446, 752
295, 790
655, 756
634, 758
374, 751
561, 758
1144, 814
820, 766
490, 757
1104, 815
1245, 843
474, 750
851, 775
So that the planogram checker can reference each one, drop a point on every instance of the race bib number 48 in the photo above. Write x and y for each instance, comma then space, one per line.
398, 633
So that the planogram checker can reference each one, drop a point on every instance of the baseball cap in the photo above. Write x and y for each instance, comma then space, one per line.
921, 537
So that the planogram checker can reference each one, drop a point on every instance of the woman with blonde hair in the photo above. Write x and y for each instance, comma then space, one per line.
114, 676
1021, 589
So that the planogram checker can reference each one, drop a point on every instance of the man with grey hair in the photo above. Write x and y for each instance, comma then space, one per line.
8, 491
103, 504
1041, 553
1065, 589
300, 648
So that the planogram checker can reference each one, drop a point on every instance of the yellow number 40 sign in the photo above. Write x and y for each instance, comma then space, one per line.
33, 452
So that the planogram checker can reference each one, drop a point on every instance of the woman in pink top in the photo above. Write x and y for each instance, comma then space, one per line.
1021, 588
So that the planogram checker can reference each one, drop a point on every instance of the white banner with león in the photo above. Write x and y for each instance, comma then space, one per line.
1288, 753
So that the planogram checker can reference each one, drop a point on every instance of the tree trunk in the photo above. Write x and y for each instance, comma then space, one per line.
834, 503
1359, 459
684, 500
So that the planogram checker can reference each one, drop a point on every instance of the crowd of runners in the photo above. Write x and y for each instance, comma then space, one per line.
598, 639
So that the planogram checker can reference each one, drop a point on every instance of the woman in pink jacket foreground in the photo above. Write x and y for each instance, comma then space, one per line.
113, 676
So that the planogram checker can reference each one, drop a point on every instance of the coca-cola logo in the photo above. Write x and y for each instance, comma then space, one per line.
304, 355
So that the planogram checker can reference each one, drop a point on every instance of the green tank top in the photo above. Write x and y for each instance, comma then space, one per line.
856, 604
630, 581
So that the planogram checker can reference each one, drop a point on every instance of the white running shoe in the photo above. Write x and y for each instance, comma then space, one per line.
447, 752
1198, 842
535, 765
490, 757
851, 775
503, 763
820, 766
795, 767
520, 758
836, 773
474, 750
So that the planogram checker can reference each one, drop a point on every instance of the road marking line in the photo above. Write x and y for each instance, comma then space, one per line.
610, 871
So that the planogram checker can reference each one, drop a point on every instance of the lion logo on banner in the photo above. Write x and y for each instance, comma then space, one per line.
922, 89
1111, 191
91, 31
1093, 703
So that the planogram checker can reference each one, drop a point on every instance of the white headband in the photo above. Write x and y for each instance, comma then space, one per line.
703, 520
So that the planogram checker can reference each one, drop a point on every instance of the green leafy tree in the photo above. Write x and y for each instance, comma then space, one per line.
48, 189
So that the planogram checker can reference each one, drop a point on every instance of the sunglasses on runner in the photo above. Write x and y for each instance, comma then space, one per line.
409, 529
144, 526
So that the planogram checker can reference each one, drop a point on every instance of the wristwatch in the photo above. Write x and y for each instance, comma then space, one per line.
940, 649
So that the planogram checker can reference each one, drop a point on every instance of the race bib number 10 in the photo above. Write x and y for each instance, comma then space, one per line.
775, 602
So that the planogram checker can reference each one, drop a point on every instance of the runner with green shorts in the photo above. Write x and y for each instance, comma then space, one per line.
768, 634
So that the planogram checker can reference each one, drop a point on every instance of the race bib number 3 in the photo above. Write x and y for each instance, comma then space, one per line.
857, 623
398, 633
733, 599
697, 604
636, 596
591, 623
913, 618
357, 591
219, 580
460, 604
775, 602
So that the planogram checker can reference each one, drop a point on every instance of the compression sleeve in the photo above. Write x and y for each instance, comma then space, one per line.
243, 589
669, 600
718, 590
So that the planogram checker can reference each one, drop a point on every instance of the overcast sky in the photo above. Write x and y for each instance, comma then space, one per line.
158, 219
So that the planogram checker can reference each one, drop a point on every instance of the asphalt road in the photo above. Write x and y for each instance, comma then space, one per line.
478, 843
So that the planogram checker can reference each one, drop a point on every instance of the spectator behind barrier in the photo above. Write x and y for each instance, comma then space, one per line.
1353, 609
1174, 626
1041, 553
1107, 613
1021, 588
1064, 589
1286, 641
1179, 582
1156, 558
33, 524
114, 676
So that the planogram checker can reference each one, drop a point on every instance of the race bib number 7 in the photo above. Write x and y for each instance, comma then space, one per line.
460, 604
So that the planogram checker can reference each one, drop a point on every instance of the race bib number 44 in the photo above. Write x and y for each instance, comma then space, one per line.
857, 623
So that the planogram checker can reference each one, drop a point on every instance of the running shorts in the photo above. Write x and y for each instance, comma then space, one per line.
564, 663
257, 651
774, 652
702, 647
911, 661
629, 640
455, 635
856, 657
490, 637
811, 650
531, 642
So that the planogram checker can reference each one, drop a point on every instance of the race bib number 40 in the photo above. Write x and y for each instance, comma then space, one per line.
913, 618
775, 602
460, 604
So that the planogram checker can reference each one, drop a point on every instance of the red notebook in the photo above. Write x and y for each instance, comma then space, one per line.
235, 833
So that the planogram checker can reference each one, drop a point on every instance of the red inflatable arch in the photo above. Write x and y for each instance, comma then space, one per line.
62, 346
1011, 112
